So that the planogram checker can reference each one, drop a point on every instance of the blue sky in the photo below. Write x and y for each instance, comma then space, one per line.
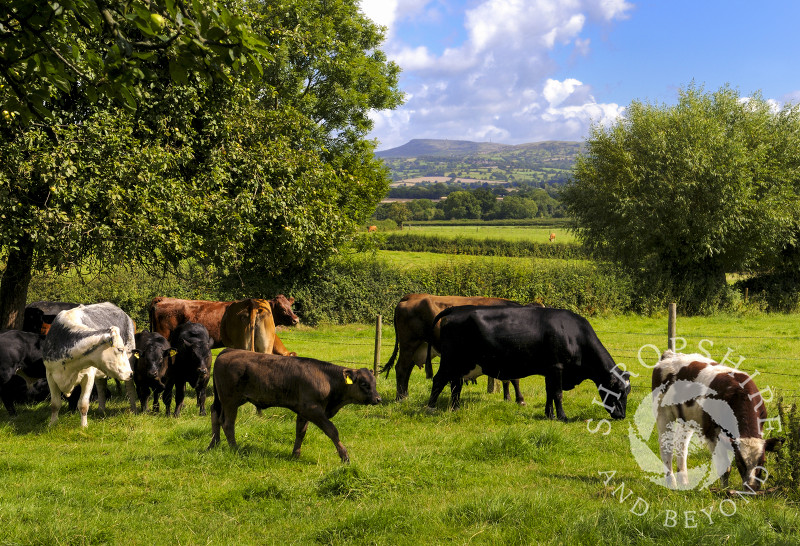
515, 71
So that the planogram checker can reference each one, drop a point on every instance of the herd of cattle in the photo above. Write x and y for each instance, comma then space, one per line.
63, 346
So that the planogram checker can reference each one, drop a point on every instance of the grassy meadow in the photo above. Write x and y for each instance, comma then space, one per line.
535, 233
490, 473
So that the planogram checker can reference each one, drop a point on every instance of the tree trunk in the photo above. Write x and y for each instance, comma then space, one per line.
14, 285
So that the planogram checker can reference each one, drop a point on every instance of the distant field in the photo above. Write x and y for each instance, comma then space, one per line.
409, 260
513, 233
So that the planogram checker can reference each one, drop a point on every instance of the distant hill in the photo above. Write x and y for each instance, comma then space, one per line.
430, 161
420, 147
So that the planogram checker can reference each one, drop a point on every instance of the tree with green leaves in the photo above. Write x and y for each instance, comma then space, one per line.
460, 205
681, 195
152, 132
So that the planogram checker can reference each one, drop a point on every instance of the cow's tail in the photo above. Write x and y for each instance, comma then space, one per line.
430, 337
151, 311
253, 313
389, 365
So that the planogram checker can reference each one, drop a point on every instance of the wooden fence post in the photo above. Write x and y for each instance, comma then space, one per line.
378, 336
672, 326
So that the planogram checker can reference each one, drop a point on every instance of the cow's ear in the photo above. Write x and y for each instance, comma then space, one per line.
348, 376
291, 300
773, 444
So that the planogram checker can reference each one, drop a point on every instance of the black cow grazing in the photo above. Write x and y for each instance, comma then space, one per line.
20, 356
510, 343
313, 389
191, 364
39, 315
150, 366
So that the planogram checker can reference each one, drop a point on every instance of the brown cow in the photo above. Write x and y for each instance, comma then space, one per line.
313, 389
372, 229
552, 237
250, 325
167, 313
413, 323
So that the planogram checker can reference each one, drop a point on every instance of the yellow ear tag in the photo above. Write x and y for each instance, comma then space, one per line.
348, 380
136, 356
173, 352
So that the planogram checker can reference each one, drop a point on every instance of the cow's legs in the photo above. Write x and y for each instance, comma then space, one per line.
8, 401
552, 385
201, 398
87, 383
318, 418
720, 447
227, 418
439, 382
102, 389
130, 390
180, 394
402, 373
300, 433
455, 393
167, 397
683, 435
507, 395
55, 398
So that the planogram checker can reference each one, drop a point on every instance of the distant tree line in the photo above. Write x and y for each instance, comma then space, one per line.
479, 204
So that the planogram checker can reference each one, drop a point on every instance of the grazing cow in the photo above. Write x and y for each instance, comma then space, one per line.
167, 313
150, 366
372, 229
694, 393
20, 358
191, 364
313, 389
249, 325
82, 341
414, 330
552, 237
39, 315
514, 342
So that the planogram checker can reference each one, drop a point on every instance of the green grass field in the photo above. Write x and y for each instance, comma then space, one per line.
513, 233
409, 260
490, 473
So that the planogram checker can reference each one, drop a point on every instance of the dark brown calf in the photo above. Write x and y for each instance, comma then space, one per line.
313, 389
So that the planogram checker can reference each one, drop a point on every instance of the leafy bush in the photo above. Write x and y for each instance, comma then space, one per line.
787, 475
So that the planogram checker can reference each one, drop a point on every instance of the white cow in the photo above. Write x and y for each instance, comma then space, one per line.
84, 343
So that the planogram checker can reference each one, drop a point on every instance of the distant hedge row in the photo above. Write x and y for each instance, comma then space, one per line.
357, 289
482, 247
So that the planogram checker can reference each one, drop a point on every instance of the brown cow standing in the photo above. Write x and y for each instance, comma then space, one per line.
413, 325
313, 389
249, 324
167, 313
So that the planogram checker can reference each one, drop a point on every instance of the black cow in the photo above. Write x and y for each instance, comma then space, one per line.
509, 343
191, 364
150, 366
20, 355
313, 389
39, 315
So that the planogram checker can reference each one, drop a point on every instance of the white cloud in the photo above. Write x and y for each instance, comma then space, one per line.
499, 83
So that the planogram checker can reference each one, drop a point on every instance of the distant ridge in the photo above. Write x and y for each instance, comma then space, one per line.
427, 147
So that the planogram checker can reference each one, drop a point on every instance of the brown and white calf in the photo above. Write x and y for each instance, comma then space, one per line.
693, 393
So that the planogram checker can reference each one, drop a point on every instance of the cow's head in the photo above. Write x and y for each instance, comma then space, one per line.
115, 358
750, 454
282, 311
195, 355
152, 362
614, 393
360, 386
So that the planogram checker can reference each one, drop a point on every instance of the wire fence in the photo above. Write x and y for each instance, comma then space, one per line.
624, 352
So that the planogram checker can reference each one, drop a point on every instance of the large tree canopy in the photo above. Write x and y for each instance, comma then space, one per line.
152, 132
681, 195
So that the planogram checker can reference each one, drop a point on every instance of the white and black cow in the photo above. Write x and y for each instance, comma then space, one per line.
82, 341
20, 359
694, 393
515, 342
